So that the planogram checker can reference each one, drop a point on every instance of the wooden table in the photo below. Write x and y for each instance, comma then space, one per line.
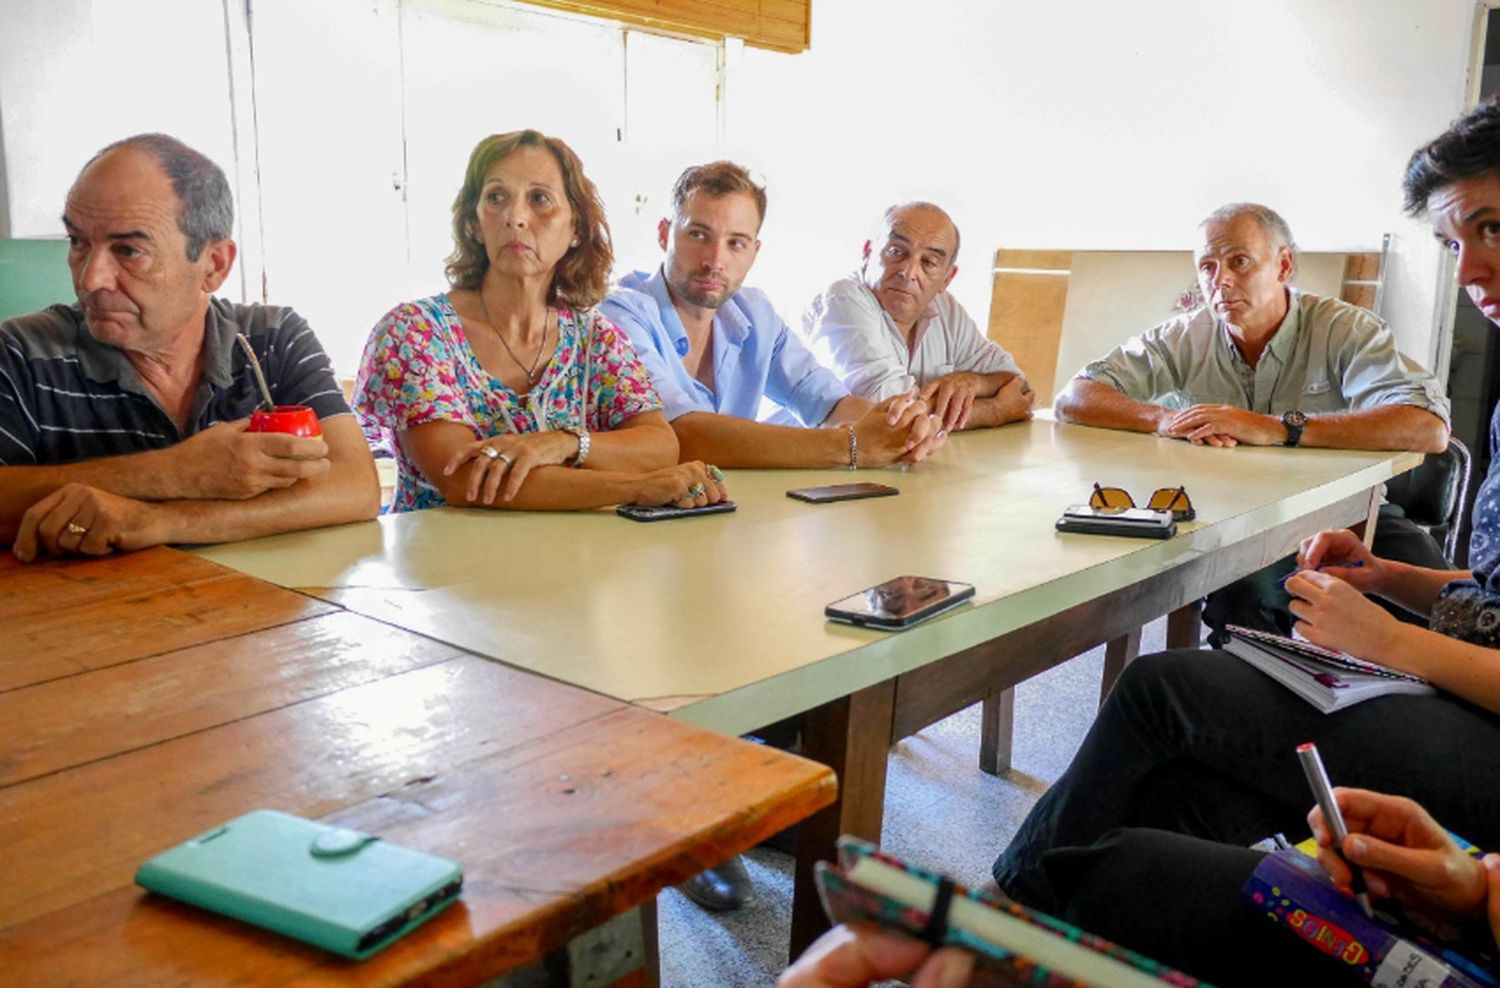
145, 698
718, 620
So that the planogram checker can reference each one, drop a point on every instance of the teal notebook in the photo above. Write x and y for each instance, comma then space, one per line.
343, 890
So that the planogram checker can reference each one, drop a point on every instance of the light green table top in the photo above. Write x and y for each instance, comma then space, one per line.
719, 619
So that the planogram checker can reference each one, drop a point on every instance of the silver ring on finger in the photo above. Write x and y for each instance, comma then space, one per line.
501, 456
489, 452
76, 529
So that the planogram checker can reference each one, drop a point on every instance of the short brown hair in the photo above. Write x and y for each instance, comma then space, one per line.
718, 179
581, 278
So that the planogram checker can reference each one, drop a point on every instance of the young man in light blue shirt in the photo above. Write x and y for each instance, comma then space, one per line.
715, 349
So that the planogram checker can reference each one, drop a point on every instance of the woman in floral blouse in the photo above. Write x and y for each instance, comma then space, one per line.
509, 390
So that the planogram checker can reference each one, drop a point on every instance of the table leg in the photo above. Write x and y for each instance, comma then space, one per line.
852, 736
1185, 625
620, 953
1372, 516
1118, 653
997, 729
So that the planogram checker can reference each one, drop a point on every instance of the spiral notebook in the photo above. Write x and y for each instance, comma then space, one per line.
1327, 679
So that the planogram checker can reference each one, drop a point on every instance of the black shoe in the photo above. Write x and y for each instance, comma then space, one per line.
722, 888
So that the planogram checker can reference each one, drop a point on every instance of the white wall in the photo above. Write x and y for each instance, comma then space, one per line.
1094, 124
78, 74
1097, 124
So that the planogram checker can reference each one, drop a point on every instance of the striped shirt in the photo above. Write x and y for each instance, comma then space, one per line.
65, 397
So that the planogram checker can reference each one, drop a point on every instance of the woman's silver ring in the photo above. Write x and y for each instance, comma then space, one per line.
490, 452
77, 529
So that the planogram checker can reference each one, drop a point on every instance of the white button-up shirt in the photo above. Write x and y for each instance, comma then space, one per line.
849, 331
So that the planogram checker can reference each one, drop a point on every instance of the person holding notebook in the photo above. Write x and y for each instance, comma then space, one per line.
1202, 743
1178, 900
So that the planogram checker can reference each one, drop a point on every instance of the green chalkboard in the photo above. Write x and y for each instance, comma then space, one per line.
33, 275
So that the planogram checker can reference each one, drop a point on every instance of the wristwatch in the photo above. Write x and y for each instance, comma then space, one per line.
583, 445
1294, 422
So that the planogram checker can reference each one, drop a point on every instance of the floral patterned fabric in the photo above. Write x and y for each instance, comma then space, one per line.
418, 367
1470, 609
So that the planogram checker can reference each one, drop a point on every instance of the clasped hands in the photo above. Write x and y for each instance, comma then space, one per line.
899, 429
951, 397
511, 458
1221, 425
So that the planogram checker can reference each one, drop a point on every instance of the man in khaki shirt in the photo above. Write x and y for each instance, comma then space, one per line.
1262, 363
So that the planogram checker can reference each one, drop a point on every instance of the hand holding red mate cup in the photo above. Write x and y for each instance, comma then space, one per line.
294, 420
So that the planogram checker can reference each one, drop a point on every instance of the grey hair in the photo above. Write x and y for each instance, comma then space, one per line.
923, 204
1269, 219
205, 207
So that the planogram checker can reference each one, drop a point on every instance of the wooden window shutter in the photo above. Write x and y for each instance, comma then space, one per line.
781, 25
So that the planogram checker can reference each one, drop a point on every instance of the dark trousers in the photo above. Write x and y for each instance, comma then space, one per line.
1260, 601
1200, 743
1176, 899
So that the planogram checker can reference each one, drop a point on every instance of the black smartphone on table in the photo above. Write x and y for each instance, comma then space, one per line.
662, 512
841, 492
1135, 523
899, 603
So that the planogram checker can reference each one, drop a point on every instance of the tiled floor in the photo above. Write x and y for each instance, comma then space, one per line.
941, 811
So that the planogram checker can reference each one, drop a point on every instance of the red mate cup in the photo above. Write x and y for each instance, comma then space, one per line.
294, 420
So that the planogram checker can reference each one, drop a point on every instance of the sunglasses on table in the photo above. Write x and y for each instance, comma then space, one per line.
1173, 499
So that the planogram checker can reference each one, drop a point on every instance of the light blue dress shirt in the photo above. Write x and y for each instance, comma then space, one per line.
755, 354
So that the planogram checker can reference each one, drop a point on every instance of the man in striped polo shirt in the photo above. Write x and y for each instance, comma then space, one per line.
123, 417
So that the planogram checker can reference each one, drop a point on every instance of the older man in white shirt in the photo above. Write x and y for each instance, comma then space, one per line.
893, 325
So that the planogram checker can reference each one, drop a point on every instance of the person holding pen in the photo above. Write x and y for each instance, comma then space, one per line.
1200, 743
1177, 900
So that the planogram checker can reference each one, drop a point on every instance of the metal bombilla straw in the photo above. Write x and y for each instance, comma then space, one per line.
266, 404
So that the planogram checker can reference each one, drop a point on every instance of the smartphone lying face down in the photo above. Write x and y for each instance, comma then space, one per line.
841, 492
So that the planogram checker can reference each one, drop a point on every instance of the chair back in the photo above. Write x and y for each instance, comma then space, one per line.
33, 275
1434, 494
